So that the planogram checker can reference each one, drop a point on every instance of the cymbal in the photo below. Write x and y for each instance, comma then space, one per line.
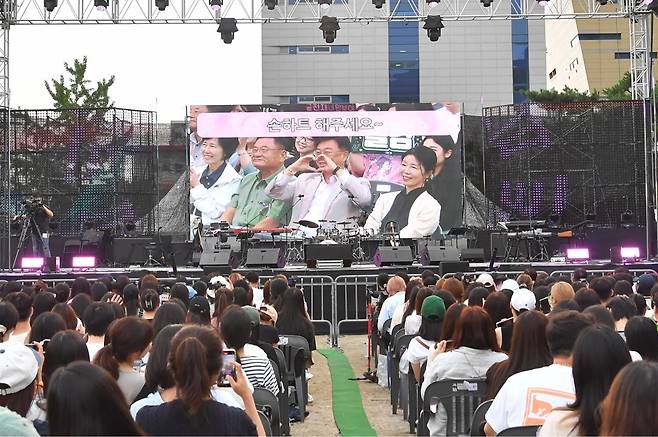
308, 224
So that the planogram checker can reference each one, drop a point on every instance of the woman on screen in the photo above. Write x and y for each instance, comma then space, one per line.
446, 182
212, 185
413, 211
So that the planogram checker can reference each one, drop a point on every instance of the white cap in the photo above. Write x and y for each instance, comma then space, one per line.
18, 367
523, 299
485, 279
509, 284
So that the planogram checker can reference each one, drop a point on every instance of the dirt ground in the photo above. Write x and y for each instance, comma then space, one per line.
376, 400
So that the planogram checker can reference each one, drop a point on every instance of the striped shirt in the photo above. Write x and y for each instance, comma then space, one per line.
260, 373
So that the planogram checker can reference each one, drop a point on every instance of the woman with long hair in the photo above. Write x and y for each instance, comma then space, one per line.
45, 326
293, 319
195, 360
199, 311
131, 299
475, 350
224, 299
67, 313
169, 313
413, 321
598, 355
127, 340
149, 301
630, 406
83, 399
453, 313
529, 350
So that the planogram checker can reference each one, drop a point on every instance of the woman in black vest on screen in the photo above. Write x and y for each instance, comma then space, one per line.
412, 212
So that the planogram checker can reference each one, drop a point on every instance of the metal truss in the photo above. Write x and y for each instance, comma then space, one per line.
299, 11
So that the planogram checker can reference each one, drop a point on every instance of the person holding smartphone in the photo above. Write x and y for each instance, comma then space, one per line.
196, 360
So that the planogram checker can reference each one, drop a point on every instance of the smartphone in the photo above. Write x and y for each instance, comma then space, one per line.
228, 367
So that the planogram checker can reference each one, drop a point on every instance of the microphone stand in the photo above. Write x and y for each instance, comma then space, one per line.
288, 219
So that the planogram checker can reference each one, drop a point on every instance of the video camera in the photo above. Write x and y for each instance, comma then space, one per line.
32, 205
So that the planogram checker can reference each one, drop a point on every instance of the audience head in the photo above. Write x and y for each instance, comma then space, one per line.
23, 304
601, 315
456, 287
131, 299
64, 348
277, 289
149, 300
45, 326
201, 288
80, 286
433, 312
195, 360
642, 337
448, 299
199, 312
67, 314
382, 280
522, 300
395, 284
644, 284
586, 297
81, 391
566, 305
422, 294
525, 281
158, 374
621, 308
169, 313
453, 313
8, 320
18, 373
62, 292
630, 406
235, 327
602, 287
623, 288
97, 318
563, 330
598, 355
240, 296
497, 305
98, 290
79, 304
477, 295
127, 340
181, 292
43, 302
561, 291
475, 330
293, 304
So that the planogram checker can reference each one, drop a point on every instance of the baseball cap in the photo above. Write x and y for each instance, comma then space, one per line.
18, 367
433, 308
509, 284
646, 281
254, 315
523, 299
269, 311
485, 279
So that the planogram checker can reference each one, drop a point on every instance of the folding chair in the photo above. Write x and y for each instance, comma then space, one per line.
265, 422
284, 401
268, 404
477, 423
521, 431
459, 399
296, 351
401, 344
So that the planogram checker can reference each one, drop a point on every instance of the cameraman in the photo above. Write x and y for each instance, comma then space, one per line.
41, 215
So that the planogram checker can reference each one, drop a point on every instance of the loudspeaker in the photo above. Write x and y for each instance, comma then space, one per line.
393, 256
257, 257
220, 258
475, 254
433, 255
327, 252
452, 267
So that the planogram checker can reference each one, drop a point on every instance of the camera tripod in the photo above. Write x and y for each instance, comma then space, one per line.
27, 225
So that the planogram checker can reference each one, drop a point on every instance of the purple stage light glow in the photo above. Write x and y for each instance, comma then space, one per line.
83, 262
630, 252
578, 253
32, 263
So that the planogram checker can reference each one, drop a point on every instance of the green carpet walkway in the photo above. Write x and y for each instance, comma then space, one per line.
349, 415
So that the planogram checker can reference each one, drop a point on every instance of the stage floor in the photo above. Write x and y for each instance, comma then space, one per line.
360, 269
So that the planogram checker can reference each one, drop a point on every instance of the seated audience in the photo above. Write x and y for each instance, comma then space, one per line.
560, 291
149, 301
622, 309
395, 289
45, 326
97, 319
18, 376
293, 319
642, 337
169, 313
23, 304
414, 319
8, 320
522, 300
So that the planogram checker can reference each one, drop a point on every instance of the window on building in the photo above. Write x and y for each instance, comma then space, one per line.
306, 50
341, 98
552, 74
627, 55
573, 65
599, 36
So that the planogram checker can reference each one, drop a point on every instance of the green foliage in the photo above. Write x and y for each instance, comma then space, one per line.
75, 92
621, 90
618, 91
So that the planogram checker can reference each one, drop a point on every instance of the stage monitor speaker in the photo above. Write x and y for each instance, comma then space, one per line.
474, 255
434, 255
393, 256
452, 267
132, 250
219, 258
328, 252
273, 258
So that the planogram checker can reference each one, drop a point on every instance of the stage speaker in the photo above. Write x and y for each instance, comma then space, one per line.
433, 255
452, 267
474, 255
273, 258
219, 258
393, 256
328, 252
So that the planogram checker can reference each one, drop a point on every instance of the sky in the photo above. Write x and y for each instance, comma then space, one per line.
159, 67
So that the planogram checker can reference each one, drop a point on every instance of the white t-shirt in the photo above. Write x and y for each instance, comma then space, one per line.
412, 323
527, 398
416, 353
19, 338
258, 297
93, 349
251, 350
397, 315
225, 395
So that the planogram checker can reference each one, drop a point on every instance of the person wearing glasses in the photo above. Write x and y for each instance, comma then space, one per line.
213, 185
251, 206
304, 146
326, 193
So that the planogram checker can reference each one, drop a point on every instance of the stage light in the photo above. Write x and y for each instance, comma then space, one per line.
630, 253
378, 3
627, 218
486, 3
578, 253
216, 5
50, 5
329, 26
271, 4
130, 226
602, 2
101, 5
324, 4
433, 25
32, 263
227, 28
542, 3
83, 262
433, 3
161, 4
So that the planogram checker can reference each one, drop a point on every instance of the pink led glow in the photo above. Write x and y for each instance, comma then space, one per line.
578, 253
83, 262
630, 252
32, 263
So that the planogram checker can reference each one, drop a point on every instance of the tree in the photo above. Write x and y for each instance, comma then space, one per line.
76, 93
619, 91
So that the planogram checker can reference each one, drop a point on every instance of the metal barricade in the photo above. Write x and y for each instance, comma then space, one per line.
319, 296
351, 298
602, 272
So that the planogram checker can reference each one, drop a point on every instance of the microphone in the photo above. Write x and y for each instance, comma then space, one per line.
493, 259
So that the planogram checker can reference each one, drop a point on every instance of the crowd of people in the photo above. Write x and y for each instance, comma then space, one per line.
573, 355
112, 357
